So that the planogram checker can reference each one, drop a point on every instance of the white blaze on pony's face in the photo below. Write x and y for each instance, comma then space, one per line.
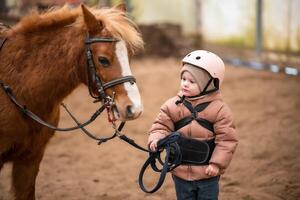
135, 109
111, 58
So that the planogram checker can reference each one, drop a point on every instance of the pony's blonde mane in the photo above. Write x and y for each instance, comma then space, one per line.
120, 26
114, 20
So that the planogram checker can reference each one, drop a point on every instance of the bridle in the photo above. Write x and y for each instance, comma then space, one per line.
107, 100
92, 75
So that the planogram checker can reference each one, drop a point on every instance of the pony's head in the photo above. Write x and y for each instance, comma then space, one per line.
111, 40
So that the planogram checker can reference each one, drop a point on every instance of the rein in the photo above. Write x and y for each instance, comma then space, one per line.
33, 116
172, 148
168, 144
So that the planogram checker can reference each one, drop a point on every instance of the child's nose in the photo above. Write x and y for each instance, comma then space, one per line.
185, 83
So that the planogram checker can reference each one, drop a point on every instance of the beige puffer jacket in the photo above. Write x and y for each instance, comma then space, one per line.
216, 112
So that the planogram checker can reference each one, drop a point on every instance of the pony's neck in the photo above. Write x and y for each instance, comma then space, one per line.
49, 70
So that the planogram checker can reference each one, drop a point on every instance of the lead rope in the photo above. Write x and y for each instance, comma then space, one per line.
164, 144
169, 144
117, 130
98, 139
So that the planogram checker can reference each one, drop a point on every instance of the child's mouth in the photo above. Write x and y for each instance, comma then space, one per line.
185, 90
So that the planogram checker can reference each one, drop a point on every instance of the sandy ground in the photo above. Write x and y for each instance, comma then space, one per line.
266, 165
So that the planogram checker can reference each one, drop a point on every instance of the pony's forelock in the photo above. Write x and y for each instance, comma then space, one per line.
120, 26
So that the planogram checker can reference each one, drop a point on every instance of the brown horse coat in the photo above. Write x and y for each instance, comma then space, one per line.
43, 61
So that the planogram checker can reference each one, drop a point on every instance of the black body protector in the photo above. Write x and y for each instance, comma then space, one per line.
194, 152
179, 149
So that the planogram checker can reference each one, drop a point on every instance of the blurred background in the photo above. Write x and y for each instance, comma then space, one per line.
268, 28
260, 42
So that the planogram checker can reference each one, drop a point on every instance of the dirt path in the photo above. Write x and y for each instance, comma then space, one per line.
266, 165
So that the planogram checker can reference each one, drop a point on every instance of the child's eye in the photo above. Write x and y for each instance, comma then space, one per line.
192, 82
183, 79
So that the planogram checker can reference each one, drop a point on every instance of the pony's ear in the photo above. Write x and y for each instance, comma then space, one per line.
121, 7
90, 20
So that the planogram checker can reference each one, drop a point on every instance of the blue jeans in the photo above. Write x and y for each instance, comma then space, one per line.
206, 189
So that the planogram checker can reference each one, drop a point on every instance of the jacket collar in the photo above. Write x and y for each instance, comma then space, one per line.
205, 98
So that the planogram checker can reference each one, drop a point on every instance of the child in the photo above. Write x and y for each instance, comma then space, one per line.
201, 77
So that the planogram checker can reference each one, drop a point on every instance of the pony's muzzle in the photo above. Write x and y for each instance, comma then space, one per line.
132, 112
129, 112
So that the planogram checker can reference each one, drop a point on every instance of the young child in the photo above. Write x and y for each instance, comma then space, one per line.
201, 77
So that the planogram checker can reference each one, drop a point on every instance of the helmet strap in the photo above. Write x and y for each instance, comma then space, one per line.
205, 91
179, 101
216, 84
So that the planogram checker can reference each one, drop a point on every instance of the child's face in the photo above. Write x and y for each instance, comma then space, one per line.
188, 85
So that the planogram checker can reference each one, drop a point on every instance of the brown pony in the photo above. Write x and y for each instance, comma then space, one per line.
43, 60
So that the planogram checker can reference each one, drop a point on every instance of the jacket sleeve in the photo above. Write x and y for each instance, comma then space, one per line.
163, 124
226, 139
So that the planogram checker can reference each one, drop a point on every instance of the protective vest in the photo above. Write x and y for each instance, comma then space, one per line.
180, 149
194, 151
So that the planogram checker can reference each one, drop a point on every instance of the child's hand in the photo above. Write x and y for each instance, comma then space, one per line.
153, 139
212, 170
153, 144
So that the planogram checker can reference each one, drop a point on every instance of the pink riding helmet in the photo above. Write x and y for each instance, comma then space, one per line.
208, 61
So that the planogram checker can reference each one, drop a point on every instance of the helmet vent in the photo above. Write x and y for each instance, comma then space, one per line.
188, 55
198, 57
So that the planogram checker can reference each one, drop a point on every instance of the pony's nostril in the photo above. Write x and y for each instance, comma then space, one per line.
129, 111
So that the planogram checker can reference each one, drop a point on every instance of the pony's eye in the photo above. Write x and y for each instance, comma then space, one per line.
103, 61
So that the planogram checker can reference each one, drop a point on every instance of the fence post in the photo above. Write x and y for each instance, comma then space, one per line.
259, 28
